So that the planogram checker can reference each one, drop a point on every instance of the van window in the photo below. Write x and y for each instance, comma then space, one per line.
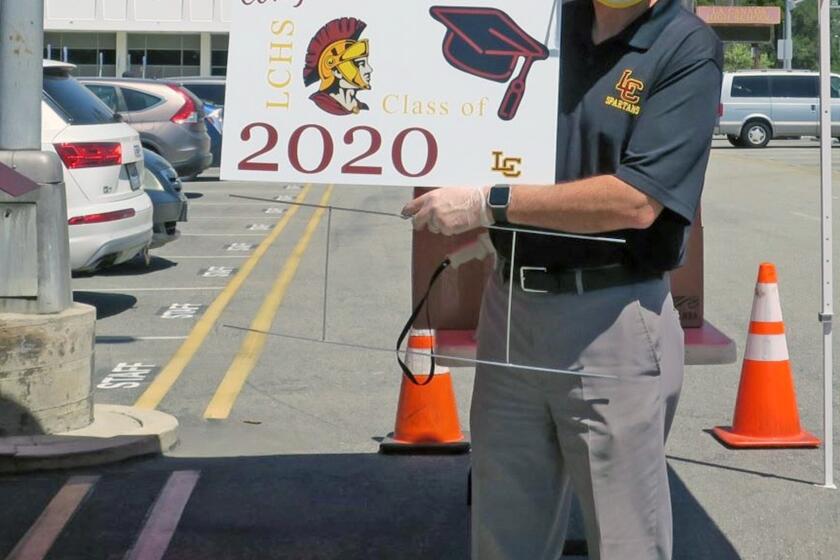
73, 100
794, 86
835, 87
750, 86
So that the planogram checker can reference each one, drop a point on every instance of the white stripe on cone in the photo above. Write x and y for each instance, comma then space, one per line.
766, 348
766, 305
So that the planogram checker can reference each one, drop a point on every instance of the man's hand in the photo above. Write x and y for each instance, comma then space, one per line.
450, 211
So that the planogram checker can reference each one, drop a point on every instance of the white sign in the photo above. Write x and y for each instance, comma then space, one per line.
387, 92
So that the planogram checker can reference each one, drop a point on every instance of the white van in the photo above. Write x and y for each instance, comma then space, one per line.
109, 214
759, 105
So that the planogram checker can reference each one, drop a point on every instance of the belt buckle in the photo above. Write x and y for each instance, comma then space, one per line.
522, 272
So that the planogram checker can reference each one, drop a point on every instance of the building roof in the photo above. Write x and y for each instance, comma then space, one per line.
740, 15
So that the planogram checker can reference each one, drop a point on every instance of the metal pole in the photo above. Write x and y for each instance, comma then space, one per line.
21, 34
826, 241
788, 36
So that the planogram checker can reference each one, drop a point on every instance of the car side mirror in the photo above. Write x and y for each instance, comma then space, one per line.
119, 117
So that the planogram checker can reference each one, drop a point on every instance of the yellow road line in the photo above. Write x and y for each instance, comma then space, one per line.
252, 347
162, 384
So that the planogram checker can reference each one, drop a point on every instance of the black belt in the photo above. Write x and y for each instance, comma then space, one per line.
542, 280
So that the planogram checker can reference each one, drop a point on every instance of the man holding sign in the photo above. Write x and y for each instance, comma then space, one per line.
640, 84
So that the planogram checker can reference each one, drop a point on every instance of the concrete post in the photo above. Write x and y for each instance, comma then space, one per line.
788, 48
46, 342
21, 77
122, 53
206, 54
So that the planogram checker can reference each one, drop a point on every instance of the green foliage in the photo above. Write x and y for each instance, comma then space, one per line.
805, 20
738, 56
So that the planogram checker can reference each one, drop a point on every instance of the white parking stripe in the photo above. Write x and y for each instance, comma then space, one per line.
203, 256
223, 235
164, 518
806, 216
189, 289
39, 539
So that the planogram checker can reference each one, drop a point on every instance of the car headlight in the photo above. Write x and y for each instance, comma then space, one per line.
151, 182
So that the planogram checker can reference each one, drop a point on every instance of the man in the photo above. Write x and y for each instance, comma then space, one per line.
640, 86
338, 61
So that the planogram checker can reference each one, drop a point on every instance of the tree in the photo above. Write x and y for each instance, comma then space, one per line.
738, 56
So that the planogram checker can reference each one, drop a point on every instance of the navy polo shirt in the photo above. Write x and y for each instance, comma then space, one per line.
641, 106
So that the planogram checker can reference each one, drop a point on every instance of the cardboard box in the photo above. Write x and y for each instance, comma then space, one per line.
687, 282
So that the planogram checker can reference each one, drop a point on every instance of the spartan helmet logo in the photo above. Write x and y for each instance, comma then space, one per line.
338, 60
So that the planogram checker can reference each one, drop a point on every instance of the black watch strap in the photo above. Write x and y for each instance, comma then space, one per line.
498, 201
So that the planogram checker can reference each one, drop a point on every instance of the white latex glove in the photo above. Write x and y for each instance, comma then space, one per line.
450, 211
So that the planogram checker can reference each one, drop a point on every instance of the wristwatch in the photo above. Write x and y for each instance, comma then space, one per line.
498, 201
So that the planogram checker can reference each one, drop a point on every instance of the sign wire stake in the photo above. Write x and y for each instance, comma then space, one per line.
326, 275
510, 296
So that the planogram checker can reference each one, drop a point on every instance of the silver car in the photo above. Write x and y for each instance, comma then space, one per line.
757, 106
169, 118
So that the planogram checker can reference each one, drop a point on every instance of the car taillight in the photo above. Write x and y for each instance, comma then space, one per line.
78, 155
720, 109
100, 218
188, 113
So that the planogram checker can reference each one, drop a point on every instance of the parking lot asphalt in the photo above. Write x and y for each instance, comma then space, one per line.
277, 457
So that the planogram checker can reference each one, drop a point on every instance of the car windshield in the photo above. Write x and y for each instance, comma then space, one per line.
78, 105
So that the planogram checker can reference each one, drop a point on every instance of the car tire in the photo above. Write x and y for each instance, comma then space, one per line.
734, 140
755, 134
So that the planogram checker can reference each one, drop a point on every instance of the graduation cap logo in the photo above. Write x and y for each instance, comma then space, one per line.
487, 43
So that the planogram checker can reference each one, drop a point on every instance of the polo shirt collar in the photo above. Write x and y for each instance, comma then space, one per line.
645, 30
641, 33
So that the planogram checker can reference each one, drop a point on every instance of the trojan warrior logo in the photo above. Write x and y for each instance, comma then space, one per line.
628, 98
627, 87
338, 61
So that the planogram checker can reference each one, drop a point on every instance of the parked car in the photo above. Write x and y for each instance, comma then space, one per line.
211, 90
168, 117
109, 214
757, 106
161, 183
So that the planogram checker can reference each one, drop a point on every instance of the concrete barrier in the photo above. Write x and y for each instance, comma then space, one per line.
45, 371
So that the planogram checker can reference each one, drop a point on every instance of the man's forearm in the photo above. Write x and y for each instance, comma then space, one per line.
588, 206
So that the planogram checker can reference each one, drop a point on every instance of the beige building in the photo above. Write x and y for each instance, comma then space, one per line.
155, 38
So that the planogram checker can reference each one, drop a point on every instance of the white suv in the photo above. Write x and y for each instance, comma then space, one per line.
109, 214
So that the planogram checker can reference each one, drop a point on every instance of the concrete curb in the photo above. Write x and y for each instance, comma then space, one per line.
117, 433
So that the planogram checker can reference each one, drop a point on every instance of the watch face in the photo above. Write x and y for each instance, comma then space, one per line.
499, 196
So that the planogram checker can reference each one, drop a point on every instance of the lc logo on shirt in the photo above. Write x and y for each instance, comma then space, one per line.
628, 98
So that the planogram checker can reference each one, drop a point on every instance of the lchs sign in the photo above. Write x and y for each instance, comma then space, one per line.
405, 93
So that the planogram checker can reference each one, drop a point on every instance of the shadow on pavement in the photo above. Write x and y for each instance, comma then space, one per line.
739, 470
193, 195
342, 507
107, 304
136, 267
16, 420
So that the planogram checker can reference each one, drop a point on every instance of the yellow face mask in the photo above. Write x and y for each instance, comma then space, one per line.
341, 56
619, 4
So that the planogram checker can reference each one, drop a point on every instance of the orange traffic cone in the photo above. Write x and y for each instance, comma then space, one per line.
766, 414
427, 416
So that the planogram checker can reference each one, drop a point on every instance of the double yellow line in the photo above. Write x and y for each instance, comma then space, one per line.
252, 347
167, 378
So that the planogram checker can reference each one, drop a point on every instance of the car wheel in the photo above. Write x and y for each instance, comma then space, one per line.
734, 140
755, 134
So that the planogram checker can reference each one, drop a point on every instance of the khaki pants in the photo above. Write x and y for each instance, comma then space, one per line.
539, 436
